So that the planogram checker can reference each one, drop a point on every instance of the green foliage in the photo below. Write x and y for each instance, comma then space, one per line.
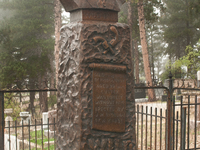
26, 41
175, 69
190, 60
10, 102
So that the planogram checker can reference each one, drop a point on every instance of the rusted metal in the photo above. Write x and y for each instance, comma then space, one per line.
109, 97
2, 119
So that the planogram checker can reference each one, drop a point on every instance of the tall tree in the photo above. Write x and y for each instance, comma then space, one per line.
24, 54
180, 24
151, 92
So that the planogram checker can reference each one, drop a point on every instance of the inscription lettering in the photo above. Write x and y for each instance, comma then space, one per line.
109, 100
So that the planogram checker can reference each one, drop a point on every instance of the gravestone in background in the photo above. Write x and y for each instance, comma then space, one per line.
140, 93
95, 92
45, 120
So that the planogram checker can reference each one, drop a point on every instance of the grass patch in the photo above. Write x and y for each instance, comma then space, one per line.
33, 135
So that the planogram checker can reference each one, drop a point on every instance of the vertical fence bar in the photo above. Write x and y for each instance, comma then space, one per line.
54, 121
142, 128
166, 129
177, 130
170, 133
146, 126
48, 131
23, 134
35, 135
188, 127
137, 126
160, 129
2, 119
29, 131
9, 135
173, 118
16, 132
155, 128
42, 133
195, 123
183, 128
151, 129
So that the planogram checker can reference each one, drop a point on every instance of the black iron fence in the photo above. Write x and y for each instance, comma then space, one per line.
26, 136
177, 127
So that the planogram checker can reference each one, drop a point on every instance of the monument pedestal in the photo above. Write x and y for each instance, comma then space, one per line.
96, 108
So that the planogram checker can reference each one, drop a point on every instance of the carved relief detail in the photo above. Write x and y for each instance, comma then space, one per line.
108, 46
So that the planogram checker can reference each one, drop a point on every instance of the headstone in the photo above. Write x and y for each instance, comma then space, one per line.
52, 115
140, 93
95, 101
25, 120
164, 98
8, 120
8, 111
45, 120
26, 117
9, 123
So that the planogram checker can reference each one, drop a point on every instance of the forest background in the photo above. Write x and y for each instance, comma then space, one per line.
165, 37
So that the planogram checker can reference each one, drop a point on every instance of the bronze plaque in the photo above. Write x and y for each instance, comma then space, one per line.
100, 15
109, 97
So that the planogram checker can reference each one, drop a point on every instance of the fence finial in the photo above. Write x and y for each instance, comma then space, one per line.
170, 75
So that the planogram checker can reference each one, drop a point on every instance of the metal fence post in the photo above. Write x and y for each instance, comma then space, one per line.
183, 128
2, 119
169, 139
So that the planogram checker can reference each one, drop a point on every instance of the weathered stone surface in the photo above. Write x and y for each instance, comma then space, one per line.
81, 45
71, 5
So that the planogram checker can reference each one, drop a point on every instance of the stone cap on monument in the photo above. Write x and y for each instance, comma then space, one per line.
93, 10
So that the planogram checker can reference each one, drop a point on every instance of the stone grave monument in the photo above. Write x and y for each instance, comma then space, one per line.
24, 118
51, 115
96, 108
8, 120
45, 120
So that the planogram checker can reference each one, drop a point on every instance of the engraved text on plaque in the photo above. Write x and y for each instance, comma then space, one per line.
109, 97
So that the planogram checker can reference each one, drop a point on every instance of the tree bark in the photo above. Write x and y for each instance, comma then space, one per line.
32, 97
147, 70
57, 9
43, 96
136, 62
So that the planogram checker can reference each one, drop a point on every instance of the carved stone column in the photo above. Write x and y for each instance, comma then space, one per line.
96, 108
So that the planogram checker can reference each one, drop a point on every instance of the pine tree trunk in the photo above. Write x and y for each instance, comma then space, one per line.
57, 9
43, 96
147, 70
136, 62
32, 97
